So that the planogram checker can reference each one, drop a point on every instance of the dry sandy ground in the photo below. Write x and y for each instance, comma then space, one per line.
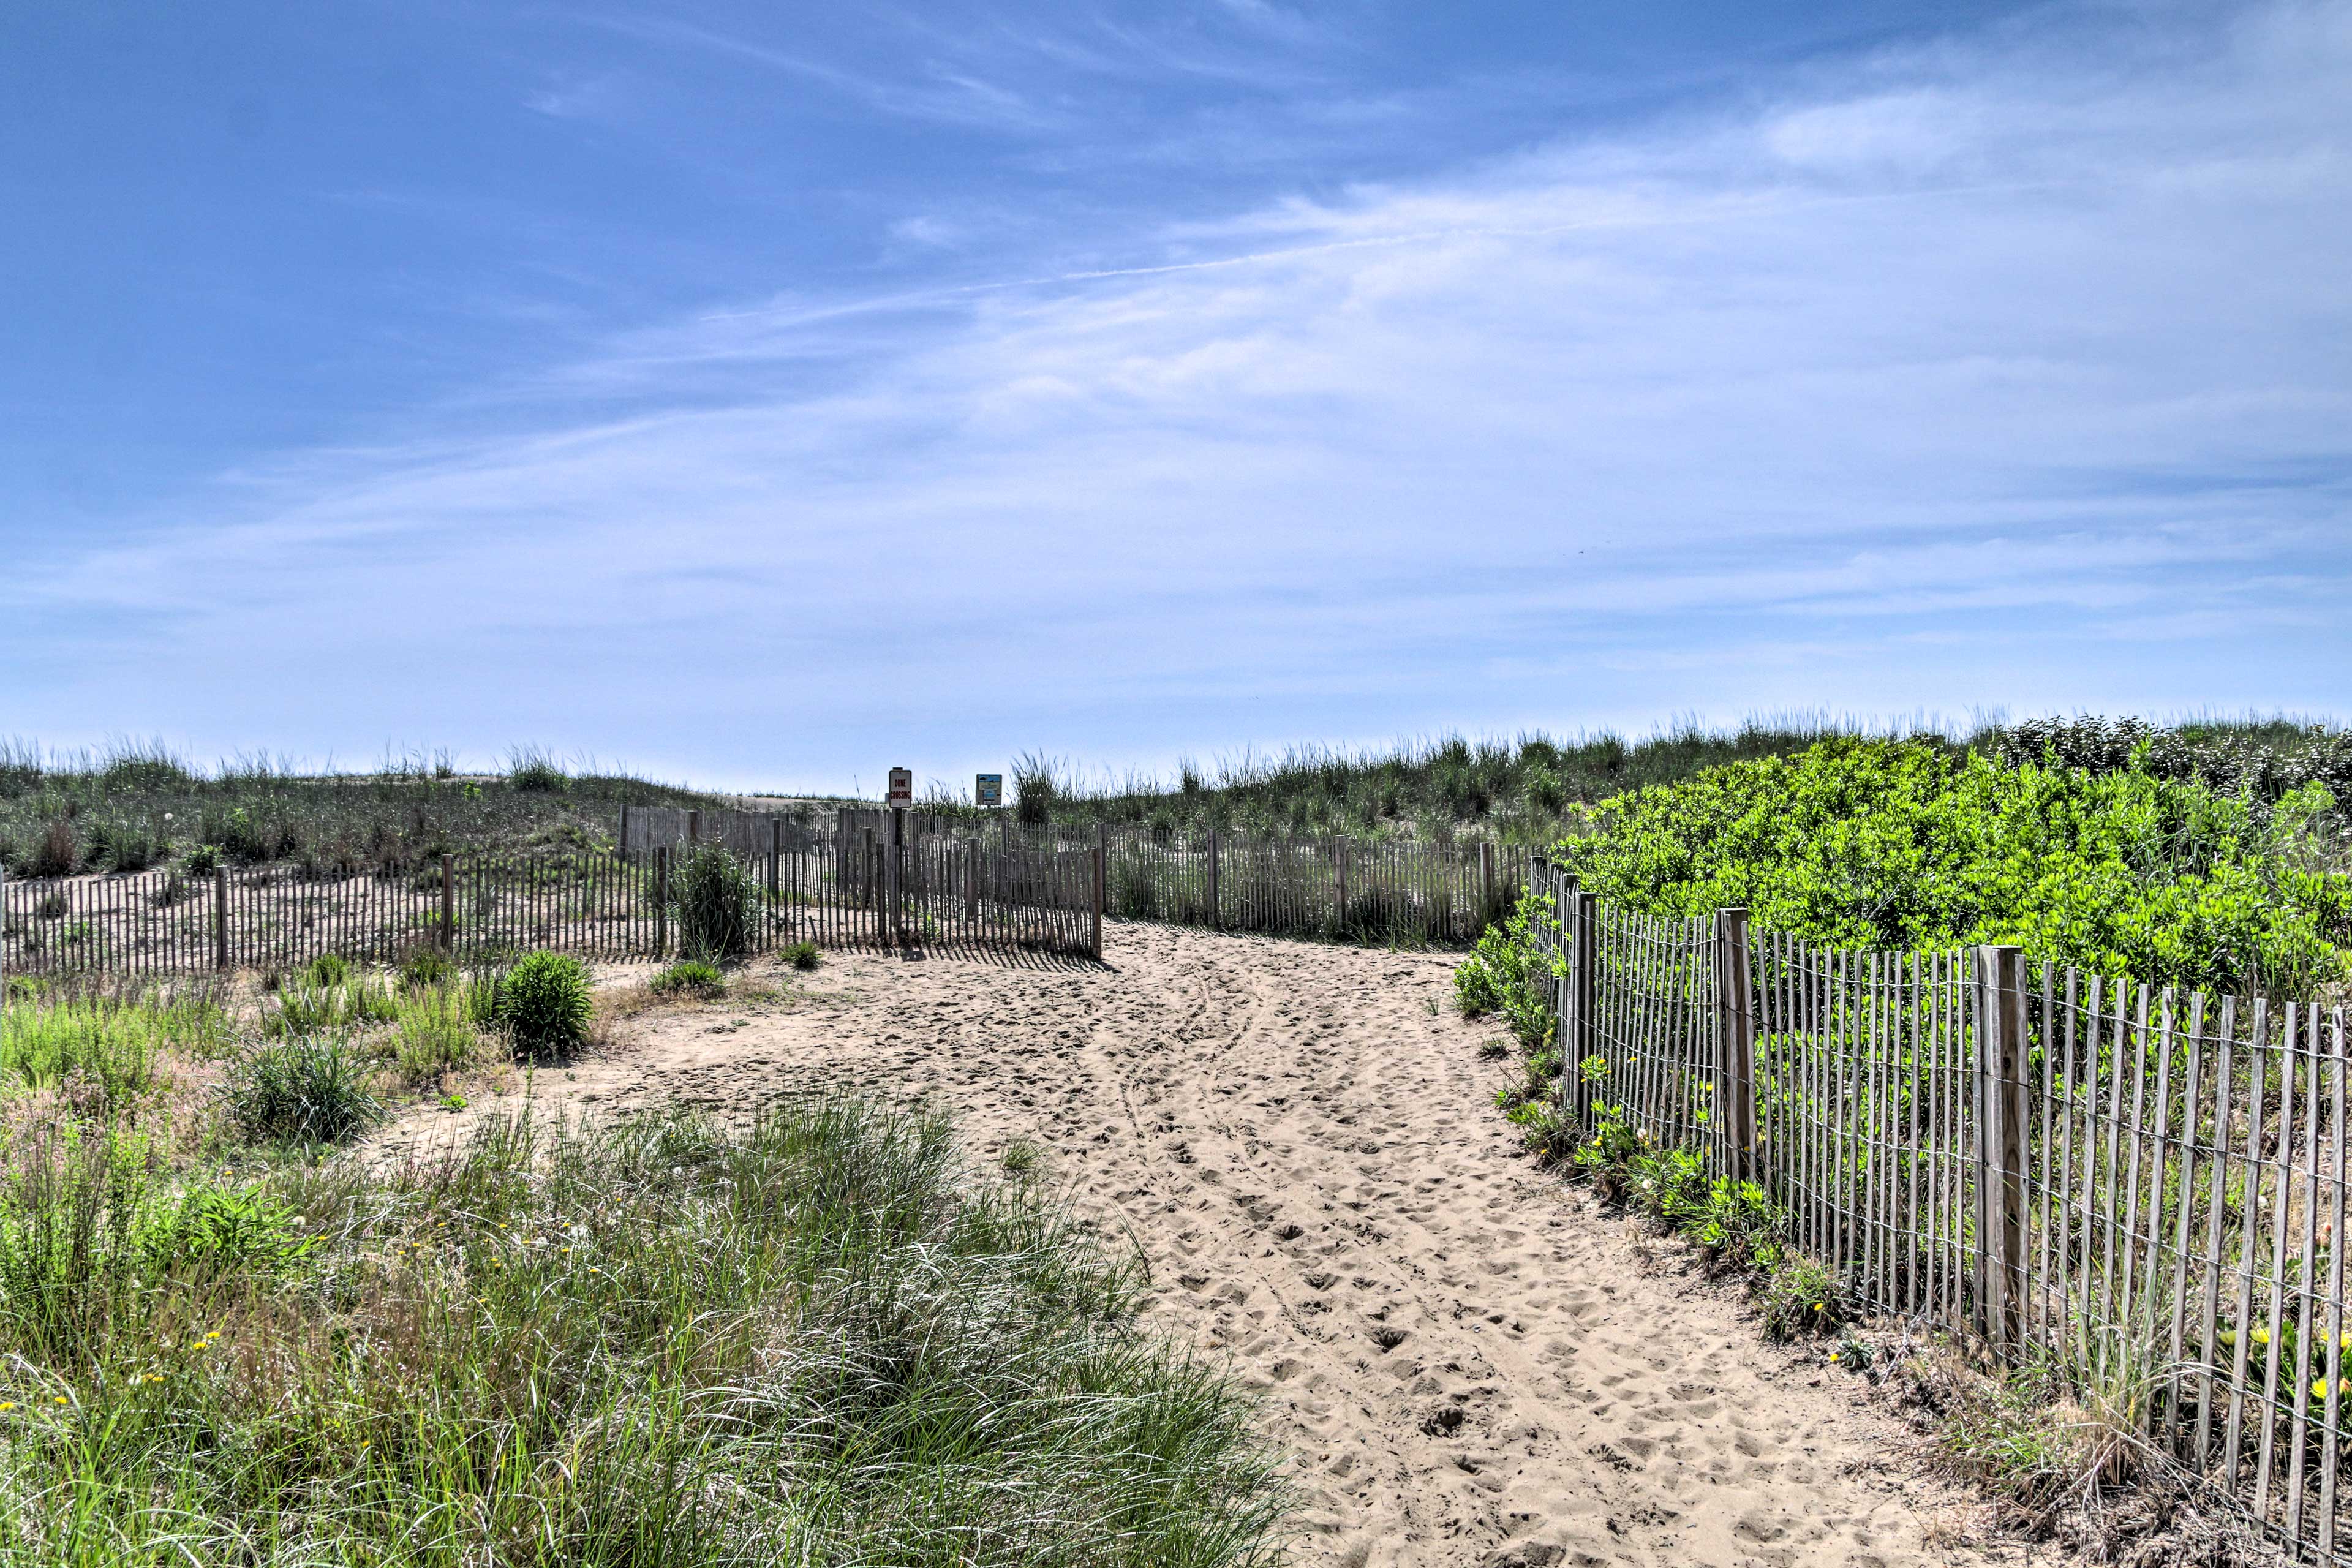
1469, 1365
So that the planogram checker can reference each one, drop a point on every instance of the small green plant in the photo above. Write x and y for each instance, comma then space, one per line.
327, 969
1740, 1226
1800, 1296
425, 964
311, 1088
689, 977
231, 1230
1549, 1133
803, 955
1020, 1157
201, 861
1606, 1156
1670, 1183
546, 1004
435, 1032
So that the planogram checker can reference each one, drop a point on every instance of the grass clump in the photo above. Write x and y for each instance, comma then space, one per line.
545, 1003
530, 770
114, 1041
435, 1032
309, 1089
306, 1002
718, 899
656, 1343
803, 955
690, 978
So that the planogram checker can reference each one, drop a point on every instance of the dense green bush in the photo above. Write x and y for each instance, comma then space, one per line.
803, 955
1899, 845
545, 1003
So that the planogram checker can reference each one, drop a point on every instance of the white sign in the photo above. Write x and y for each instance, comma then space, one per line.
902, 787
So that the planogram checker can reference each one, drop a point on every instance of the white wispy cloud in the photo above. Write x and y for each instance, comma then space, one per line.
1933, 379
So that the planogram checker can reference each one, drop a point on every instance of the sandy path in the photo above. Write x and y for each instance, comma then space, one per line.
1469, 1365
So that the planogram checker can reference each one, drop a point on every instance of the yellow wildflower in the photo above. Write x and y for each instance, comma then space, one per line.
7, 1404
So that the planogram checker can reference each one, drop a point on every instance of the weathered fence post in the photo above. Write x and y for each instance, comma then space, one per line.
972, 887
448, 902
220, 917
661, 900
1584, 946
775, 856
1102, 884
1216, 905
1735, 1073
2000, 1105
1339, 884
623, 845
894, 876
1486, 884
694, 826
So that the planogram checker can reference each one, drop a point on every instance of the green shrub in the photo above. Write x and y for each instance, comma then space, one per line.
202, 859
689, 977
546, 1004
717, 900
803, 955
1506, 974
1902, 847
327, 969
1547, 1133
311, 1088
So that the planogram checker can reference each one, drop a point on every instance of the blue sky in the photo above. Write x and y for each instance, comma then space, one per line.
765, 395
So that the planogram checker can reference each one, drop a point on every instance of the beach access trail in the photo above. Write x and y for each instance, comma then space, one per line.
1469, 1363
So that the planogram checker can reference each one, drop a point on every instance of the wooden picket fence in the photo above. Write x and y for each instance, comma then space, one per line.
2146, 1187
1388, 892
829, 882
840, 878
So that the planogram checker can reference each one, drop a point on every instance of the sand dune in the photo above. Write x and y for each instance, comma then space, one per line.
1469, 1365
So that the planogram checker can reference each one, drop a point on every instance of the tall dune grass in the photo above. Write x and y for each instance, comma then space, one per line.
658, 1343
